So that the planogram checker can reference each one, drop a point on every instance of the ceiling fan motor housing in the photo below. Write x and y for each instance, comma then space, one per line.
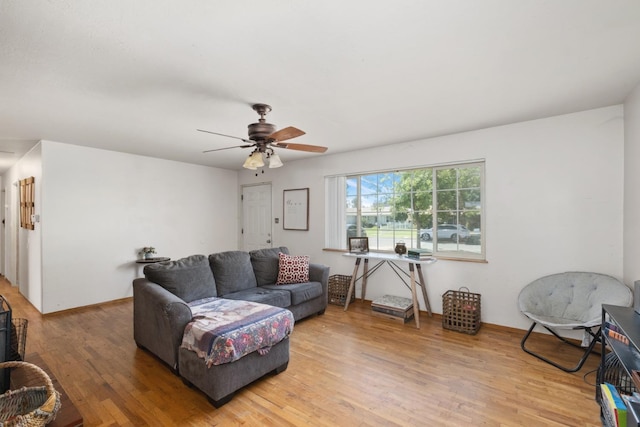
260, 131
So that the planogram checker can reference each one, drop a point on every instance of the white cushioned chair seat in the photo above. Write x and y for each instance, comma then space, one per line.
560, 323
572, 299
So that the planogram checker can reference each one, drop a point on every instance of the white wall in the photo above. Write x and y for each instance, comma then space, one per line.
632, 187
98, 208
554, 201
23, 250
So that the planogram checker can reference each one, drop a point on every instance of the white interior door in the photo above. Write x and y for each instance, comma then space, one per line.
256, 217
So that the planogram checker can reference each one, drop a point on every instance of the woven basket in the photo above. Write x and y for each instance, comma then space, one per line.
29, 406
339, 288
461, 311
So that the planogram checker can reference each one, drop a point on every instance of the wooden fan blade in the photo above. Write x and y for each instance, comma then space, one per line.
286, 133
227, 148
300, 147
228, 136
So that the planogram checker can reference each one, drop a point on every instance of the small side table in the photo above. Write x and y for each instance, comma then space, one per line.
152, 261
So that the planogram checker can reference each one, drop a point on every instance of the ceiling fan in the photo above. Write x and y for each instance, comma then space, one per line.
263, 138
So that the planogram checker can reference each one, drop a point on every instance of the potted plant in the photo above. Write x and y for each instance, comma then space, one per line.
147, 252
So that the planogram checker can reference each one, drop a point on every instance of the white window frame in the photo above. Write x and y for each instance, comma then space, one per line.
335, 207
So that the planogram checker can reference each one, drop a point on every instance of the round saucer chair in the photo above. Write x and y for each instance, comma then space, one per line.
571, 300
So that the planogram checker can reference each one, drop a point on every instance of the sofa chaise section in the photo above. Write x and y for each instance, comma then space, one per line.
162, 311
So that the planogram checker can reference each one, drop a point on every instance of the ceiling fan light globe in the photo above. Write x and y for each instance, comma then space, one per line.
255, 160
275, 162
248, 164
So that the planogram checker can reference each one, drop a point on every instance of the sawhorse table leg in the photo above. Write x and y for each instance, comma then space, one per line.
423, 286
365, 274
414, 295
352, 285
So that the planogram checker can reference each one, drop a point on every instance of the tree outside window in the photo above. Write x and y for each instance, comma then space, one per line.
437, 208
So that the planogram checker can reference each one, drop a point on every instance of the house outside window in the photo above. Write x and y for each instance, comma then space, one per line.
437, 208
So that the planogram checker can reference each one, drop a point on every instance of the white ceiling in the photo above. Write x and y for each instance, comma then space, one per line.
141, 76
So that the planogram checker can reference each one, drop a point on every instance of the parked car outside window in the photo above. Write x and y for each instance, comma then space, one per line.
446, 231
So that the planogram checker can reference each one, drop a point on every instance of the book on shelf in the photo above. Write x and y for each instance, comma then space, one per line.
608, 419
633, 410
613, 406
612, 326
612, 331
613, 334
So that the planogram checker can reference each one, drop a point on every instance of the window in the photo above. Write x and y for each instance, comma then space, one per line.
437, 208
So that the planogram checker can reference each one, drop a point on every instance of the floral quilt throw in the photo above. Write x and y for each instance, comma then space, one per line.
224, 330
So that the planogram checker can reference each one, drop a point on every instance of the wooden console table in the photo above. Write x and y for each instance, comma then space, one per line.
68, 415
392, 260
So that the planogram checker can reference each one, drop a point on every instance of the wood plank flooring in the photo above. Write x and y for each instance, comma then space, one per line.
346, 369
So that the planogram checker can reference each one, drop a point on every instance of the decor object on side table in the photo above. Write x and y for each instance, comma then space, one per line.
418, 253
400, 248
147, 252
358, 245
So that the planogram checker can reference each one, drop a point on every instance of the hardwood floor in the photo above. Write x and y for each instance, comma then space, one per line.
346, 369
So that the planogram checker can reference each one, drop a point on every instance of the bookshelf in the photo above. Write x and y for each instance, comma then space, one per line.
621, 334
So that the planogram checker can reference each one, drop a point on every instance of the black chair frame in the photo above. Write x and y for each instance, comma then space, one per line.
595, 339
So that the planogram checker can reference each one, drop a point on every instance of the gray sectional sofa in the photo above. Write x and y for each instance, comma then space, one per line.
161, 311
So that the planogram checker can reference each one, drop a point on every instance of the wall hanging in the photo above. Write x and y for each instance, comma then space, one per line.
27, 202
296, 209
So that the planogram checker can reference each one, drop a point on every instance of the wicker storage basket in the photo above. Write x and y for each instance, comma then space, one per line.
20, 335
461, 311
29, 406
338, 289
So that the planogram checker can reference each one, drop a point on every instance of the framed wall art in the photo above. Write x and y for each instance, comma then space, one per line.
295, 215
358, 245
27, 202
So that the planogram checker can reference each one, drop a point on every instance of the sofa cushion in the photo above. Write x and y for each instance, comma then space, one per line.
265, 264
188, 278
275, 297
293, 269
232, 271
300, 292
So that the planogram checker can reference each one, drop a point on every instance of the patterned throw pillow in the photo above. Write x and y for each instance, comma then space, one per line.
293, 269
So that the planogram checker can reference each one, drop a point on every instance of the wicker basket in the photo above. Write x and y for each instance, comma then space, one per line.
19, 333
461, 311
29, 406
338, 289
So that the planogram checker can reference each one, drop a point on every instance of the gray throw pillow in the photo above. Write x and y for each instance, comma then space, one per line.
188, 278
232, 271
265, 264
